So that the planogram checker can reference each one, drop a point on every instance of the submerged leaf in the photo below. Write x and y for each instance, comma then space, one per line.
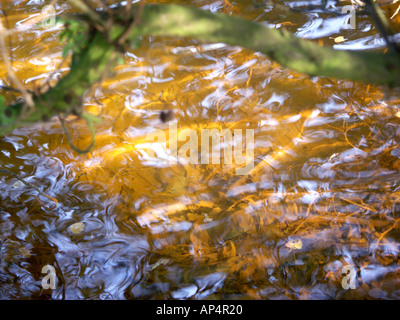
25, 252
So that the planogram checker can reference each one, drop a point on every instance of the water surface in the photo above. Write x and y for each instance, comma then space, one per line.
326, 172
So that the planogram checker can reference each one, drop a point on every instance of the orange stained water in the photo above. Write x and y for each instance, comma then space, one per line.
323, 192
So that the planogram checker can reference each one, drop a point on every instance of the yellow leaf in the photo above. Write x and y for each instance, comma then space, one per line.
77, 228
294, 244
161, 262
338, 39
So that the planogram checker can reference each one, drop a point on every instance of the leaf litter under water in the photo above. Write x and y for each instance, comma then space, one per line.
322, 177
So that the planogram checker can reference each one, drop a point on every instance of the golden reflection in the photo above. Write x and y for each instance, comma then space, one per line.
324, 181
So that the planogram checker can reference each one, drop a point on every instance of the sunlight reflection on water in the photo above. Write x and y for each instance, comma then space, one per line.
326, 173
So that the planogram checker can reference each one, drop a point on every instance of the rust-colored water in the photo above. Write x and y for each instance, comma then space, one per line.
323, 193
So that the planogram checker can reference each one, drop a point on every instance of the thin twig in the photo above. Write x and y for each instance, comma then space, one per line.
383, 234
396, 12
382, 24
71, 143
9, 89
8, 172
11, 74
79, 4
9, 36
135, 22
128, 7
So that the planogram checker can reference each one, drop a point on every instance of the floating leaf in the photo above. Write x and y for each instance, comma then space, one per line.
294, 244
77, 228
18, 184
338, 39
161, 262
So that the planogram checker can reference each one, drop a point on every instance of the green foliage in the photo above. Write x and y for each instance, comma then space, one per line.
120, 60
135, 38
6, 116
76, 36
2, 102
95, 52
